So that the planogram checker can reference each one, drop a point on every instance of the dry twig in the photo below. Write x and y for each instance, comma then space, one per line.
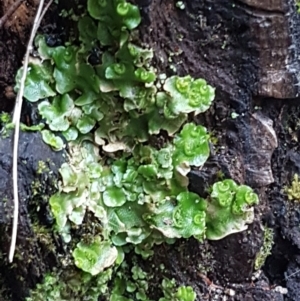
16, 121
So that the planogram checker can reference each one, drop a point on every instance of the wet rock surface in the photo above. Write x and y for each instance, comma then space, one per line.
38, 172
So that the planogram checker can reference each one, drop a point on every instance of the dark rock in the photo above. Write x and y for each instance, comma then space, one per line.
37, 177
237, 268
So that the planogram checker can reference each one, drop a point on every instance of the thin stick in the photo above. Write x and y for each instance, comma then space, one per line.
16, 121
44, 12
11, 10
291, 275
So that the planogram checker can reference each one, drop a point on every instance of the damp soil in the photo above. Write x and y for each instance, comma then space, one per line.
248, 51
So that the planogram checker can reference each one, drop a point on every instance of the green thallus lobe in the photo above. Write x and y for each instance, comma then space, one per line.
138, 193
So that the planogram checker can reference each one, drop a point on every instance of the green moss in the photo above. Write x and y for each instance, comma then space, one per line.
293, 192
4, 292
182, 293
298, 6
71, 284
5, 118
44, 237
6, 124
42, 167
265, 249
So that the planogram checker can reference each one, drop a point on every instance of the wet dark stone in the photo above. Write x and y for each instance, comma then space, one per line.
30, 263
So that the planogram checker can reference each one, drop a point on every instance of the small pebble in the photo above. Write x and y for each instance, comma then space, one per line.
281, 290
230, 292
